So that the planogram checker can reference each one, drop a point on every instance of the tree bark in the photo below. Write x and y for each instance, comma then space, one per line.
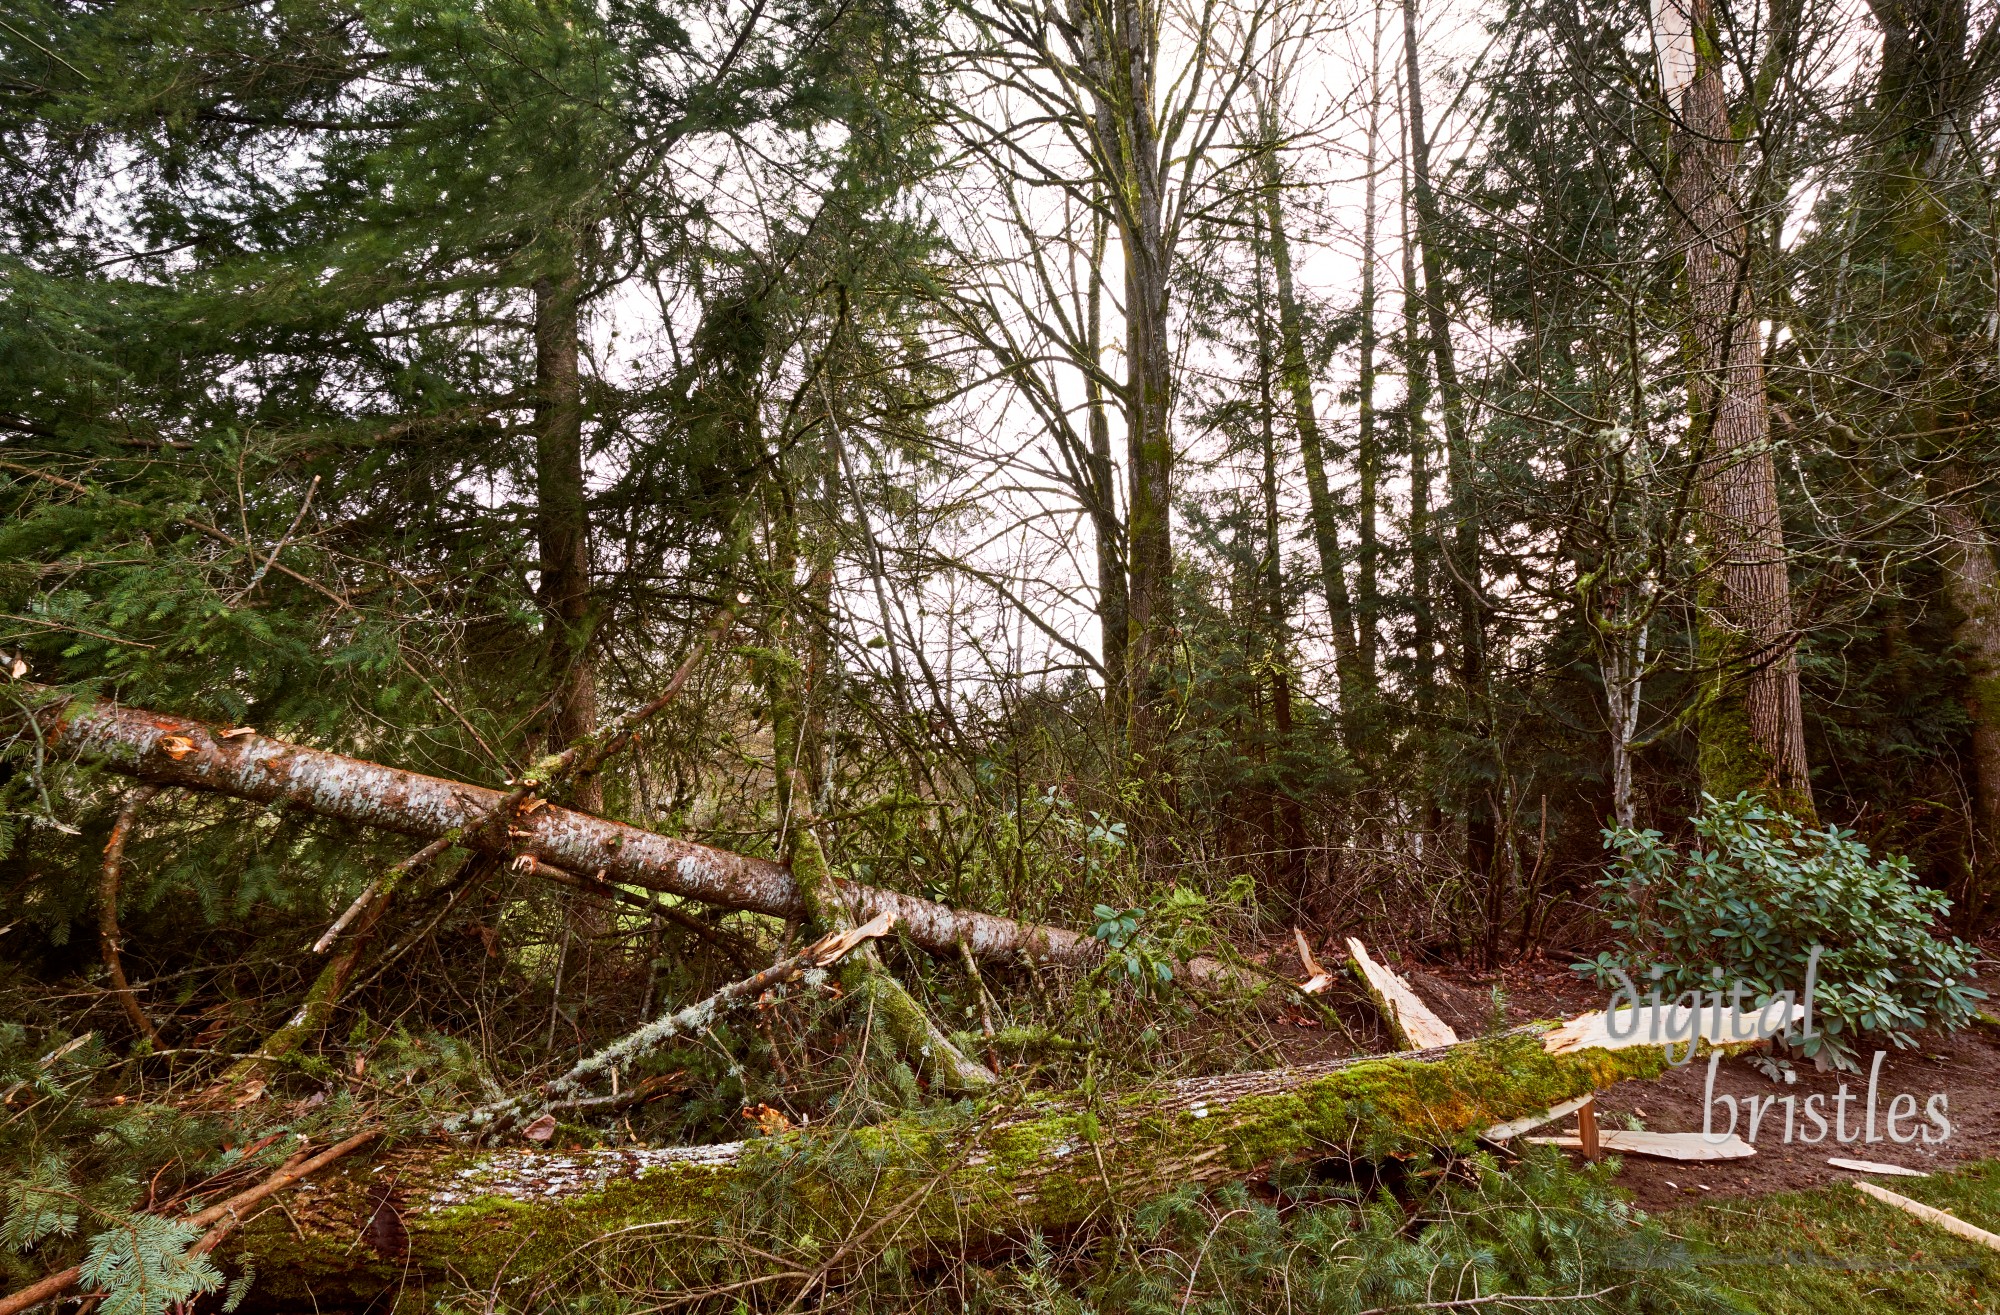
1752, 726
1930, 76
168, 750
562, 521
1287, 844
506, 1219
1368, 449
1417, 447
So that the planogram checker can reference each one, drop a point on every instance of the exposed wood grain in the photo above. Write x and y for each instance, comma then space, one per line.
1415, 1026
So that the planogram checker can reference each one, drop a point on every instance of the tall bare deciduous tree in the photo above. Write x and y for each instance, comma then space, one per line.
1143, 141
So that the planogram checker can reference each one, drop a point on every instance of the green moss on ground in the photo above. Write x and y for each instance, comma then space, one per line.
1833, 1249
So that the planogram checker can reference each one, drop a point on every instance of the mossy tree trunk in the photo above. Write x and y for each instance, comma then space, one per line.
1119, 49
1930, 77
502, 1221
1751, 723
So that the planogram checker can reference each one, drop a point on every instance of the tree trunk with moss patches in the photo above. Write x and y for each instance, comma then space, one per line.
506, 1220
1123, 43
1929, 77
562, 520
1751, 724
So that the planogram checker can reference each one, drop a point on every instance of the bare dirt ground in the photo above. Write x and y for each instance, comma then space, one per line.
1963, 1068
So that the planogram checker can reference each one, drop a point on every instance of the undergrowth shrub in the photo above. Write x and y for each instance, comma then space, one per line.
1753, 896
92, 1176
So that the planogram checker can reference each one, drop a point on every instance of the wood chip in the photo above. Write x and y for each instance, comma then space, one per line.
1875, 1166
1950, 1223
1661, 1145
1415, 1026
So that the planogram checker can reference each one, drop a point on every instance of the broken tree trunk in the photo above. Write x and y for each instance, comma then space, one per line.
169, 750
504, 1220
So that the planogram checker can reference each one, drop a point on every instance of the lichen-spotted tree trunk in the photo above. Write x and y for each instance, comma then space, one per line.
179, 751
1751, 724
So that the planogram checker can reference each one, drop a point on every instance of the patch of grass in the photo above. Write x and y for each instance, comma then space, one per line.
1832, 1249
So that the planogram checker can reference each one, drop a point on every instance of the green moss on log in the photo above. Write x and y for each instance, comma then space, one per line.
987, 1168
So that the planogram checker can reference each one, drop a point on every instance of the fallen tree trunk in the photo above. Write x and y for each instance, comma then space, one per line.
169, 750
503, 1221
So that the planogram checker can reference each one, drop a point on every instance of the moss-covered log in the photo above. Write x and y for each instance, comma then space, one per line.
507, 1220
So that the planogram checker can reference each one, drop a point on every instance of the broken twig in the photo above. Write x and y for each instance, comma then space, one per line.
109, 941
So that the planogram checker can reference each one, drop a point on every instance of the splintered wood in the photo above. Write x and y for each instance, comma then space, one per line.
1317, 978
1409, 1018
